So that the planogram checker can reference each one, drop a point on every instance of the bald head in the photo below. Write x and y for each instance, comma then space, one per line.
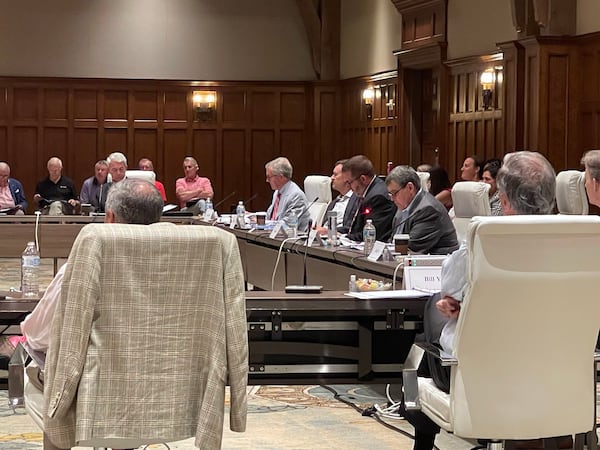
54, 168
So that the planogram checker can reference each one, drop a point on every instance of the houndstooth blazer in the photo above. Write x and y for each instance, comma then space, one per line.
150, 327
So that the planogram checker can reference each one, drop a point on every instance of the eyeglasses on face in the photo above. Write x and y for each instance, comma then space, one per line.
393, 194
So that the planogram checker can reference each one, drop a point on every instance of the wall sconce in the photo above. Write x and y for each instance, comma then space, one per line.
368, 95
204, 104
487, 80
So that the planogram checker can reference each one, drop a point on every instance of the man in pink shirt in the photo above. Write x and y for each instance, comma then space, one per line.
192, 186
146, 164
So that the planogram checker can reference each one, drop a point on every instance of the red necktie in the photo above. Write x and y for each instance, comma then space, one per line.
275, 206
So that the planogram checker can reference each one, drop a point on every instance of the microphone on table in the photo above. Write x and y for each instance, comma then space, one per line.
305, 288
305, 252
228, 196
247, 202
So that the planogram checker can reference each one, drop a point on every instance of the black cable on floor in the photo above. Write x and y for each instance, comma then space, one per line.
337, 396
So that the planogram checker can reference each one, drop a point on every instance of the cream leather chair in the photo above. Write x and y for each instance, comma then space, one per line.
469, 199
424, 177
147, 175
571, 197
317, 187
525, 337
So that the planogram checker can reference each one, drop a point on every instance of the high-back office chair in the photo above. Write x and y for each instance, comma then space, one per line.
469, 199
424, 177
317, 187
150, 328
571, 197
524, 342
147, 175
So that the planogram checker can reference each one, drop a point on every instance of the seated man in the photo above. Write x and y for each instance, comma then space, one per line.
344, 205
192, 186
56, 194
138, 202
98, 282
12, 196
420, 214
287, 196
527, 185
373, 199
146, 164
94, 189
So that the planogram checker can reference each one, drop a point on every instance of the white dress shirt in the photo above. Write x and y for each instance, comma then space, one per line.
37, 324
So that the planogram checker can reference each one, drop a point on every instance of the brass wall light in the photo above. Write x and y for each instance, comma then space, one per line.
487, 80
368, 95
204, 103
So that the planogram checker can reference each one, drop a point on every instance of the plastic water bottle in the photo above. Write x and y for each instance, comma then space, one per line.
292, 224
241, 214
30, 264
369, 236
209, 211
352, 287
332, 228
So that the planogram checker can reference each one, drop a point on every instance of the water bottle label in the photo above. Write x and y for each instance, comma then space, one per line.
31, 261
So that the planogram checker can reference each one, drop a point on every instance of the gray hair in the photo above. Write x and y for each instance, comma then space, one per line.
135, 201
117, 157
591, 161
528, 181
402, 175
190, 159
280, 166
54, 161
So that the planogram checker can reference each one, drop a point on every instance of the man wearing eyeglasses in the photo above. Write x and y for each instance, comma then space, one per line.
287, 196
374, 202
420, 214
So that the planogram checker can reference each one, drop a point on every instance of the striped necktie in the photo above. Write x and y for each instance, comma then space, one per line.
275, 206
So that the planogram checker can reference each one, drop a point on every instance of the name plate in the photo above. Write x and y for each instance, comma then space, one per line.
423, 278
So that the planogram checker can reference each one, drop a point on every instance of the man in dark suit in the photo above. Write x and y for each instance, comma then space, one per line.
420, 214
344, 204
373, 200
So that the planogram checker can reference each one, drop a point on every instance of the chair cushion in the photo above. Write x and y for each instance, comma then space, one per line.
571, 197
435, 403
318, 186
471, 198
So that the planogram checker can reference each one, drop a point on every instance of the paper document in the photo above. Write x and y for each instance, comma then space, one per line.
169, 207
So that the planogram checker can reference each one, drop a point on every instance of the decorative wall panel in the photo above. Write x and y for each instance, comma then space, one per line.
83, 120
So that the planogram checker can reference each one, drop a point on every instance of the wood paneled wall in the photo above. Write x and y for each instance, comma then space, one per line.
377, 137
82, 121
472, 129
587, 83
423, 21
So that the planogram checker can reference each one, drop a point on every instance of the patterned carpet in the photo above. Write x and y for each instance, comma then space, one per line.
279, 417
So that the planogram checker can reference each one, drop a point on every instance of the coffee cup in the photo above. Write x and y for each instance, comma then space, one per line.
401, 243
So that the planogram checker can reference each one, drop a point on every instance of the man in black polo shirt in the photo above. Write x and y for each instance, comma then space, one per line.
56, 194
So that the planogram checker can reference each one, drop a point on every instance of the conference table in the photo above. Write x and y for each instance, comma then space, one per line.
293, 338
311, 338
329, 267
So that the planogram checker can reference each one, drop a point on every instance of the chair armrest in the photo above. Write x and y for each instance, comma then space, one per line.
16, 377
410, 384
446, 359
